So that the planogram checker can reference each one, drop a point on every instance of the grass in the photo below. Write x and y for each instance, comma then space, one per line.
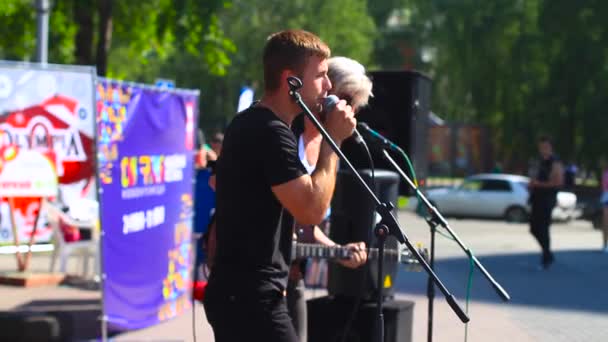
402, 202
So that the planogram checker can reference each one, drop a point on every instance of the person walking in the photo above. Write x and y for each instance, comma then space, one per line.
543, 197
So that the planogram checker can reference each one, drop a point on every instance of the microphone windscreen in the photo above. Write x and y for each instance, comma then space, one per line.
329, 103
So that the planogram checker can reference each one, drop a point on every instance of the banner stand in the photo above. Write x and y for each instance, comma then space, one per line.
22, 277
27, 174
104, 323
48, 109
102, 276
112, 95
23, 264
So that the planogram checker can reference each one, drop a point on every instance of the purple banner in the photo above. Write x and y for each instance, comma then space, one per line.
145, 163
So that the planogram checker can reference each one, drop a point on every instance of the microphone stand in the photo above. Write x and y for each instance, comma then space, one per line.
388, 224
435, 220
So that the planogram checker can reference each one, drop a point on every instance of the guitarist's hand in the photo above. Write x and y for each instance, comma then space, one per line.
358, 257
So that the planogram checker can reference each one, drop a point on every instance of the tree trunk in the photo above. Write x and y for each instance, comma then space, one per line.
83, 17
104, 35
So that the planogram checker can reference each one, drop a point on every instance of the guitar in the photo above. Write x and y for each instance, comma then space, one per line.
305, 250
313, 250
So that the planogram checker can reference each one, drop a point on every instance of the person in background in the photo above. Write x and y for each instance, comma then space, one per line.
543, 197
570, 176
216, 144
200, 155
604, 201
497, 168
204, 203
350, 83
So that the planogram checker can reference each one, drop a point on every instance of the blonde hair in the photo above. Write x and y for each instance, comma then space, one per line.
349, 80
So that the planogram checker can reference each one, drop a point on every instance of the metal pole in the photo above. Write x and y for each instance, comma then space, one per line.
430, 291
42, 34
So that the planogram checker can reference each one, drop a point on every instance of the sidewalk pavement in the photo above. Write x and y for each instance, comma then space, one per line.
564, 303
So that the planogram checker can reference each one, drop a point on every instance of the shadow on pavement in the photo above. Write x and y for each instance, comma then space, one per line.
576, 281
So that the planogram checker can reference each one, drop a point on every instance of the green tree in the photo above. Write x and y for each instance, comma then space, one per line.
18, 32
122, 38
522, 68
343, 24
575, 101
129, 40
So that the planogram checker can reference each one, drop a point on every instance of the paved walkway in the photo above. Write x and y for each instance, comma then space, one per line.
565, 303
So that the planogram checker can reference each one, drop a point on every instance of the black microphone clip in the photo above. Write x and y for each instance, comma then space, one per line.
294, 84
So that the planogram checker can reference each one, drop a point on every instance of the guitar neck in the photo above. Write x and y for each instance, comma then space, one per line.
311, 250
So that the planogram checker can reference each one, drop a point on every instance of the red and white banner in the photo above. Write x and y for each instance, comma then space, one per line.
27, 173
49, 109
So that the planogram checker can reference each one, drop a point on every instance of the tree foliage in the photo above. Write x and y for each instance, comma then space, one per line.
343, 24
523, 68
130, 40
142, 35
212, 45
18, 32
520, 67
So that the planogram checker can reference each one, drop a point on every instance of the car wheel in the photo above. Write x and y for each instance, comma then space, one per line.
516, 214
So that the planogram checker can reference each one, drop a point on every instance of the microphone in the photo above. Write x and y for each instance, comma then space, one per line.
329, 103
377, 137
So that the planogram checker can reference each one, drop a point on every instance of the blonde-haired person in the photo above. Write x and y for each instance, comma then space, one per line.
349, 81
351, 84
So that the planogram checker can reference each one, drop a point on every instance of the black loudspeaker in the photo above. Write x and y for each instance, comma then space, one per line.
29, 327
329, 320
399, 110
353, 218
52, 320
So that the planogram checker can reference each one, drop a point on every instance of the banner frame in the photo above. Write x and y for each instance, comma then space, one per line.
98, 80
50, 66
82, 69
144, 86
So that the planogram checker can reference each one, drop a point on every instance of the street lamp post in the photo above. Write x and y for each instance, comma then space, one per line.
42, 33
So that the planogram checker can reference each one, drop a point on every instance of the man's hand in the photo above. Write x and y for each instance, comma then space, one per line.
200, 159
340, 123
358, 256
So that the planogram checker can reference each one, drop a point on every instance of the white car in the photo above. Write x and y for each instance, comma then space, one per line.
496, 196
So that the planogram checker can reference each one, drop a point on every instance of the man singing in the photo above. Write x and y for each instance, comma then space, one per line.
262, 186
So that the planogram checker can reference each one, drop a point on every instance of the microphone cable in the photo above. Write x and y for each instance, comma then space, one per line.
329, 103
195, 276
370, 160
356, 305
353, 314
194, 319
469, 252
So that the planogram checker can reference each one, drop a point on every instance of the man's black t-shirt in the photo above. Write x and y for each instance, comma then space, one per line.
254, 232
546, 196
